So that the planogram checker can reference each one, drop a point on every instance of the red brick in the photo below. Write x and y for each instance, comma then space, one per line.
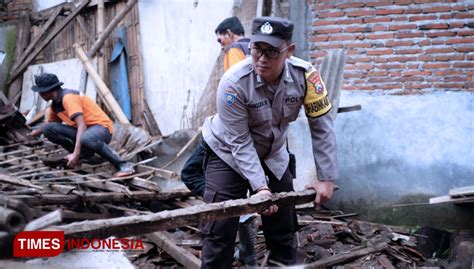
460, 41
353, 29
331, 14
330, 46
364, 66
465, 49
469, 85
399, 18
470, 57
446, 16
351, 5
408, 51
378, 3
449, 85
440, 50
402, 2
437, 9
351, 75
379, 36
360, 13
455, 79
413, 11
417, 86
388, 11
456, 25
380, 52
379, 28
399, 43
390, 86
416, 73
379, 59
342, 37
376, 20
440, 33
394, 74
365, 87
390, 66
349, 88
466, 33
436, 65
318, 38
328, 30
402, 27
402, 59
449, 57
426, 42
409, 79
463, 65
358, 45
323, 6
422, 18
435, 42
323, 23
425, 58
318, 54
349, 67
433, 26
379, 79
359, 59
464, 16
409, 34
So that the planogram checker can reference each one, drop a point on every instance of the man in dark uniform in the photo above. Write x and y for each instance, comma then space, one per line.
87, 129
256, 101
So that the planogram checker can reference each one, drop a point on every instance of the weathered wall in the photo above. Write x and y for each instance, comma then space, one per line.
410, 66
179, 51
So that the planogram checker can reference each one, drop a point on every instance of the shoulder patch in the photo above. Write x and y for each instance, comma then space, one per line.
316, 101
230, 96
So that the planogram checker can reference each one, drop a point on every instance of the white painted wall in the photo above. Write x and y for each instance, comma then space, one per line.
397, 145
179, 49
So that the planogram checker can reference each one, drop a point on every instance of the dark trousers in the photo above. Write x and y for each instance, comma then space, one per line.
192, 173
92, 140
223, 183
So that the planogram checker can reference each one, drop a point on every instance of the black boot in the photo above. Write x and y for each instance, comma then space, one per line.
125, 168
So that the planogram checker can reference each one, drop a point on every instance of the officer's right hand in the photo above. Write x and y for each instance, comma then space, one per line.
270, 210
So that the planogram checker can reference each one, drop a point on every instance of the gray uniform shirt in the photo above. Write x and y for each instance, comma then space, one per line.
252, 122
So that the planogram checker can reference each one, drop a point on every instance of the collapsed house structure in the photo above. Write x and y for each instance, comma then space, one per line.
99, 48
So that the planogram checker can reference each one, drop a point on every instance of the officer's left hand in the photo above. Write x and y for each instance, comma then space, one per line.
271, 209
324, 190
72, 160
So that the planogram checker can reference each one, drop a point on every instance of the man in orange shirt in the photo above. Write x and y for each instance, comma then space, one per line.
87, 129
230, 34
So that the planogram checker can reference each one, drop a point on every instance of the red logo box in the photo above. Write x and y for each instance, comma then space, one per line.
38, 244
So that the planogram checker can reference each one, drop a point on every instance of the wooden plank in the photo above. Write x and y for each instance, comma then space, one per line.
182, 255
463, 191
45, 221
46, 41
166, 174
449, 199
353, 254
137, 225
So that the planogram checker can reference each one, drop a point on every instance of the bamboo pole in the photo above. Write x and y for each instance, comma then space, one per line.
100, 30
104, 91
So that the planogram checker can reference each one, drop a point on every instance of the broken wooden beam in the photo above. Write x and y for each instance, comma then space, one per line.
45, 221
137, 225
99, 197
103, 90
45, 42
340, 258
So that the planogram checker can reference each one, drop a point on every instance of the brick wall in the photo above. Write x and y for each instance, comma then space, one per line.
405, 45
10, 10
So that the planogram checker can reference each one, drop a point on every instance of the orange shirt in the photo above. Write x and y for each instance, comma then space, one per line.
71, 104
233, 56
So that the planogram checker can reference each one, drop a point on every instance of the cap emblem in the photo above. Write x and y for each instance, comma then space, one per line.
266, 28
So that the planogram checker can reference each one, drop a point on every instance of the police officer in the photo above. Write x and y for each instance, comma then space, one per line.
256, 101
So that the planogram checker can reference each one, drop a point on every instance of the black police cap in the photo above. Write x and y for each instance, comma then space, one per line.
271, 30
